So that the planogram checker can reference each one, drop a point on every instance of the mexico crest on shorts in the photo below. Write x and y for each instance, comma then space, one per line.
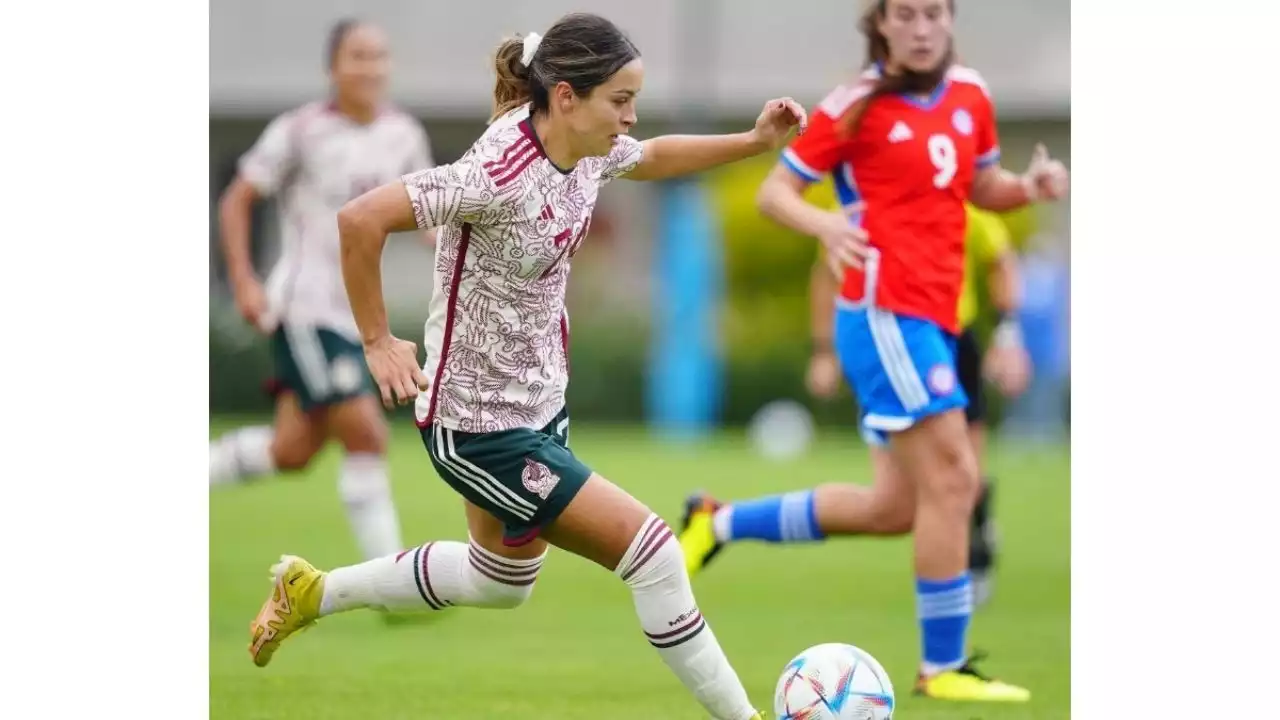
942, 379
345, 374
962, 121
538, 478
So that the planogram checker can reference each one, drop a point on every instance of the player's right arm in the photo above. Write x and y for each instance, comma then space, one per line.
261, 172
443, 195
805, 161
823, 377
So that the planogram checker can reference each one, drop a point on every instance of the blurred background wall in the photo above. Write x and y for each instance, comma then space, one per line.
689, 310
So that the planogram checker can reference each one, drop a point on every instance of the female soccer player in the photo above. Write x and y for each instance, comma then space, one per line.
490, 397
883, 509
314, 159
907, 144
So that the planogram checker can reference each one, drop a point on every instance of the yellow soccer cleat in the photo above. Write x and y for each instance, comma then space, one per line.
294, 605
697, 532
966, 684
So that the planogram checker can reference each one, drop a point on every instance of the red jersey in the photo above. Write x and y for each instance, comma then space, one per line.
911, 163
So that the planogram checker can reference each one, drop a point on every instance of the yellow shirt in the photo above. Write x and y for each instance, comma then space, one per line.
986, 239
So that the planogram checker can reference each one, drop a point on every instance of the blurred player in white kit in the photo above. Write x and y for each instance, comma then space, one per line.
312, 160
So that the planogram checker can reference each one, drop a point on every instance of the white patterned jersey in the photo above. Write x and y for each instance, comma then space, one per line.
313, 160
497, 333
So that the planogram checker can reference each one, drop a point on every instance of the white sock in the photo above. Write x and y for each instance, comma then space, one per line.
722, 523
241, 455
653, 567
366, 493
432, 577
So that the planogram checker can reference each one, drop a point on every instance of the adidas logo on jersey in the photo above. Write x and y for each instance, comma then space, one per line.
900, 132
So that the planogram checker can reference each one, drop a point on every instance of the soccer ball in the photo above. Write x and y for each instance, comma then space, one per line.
834, 681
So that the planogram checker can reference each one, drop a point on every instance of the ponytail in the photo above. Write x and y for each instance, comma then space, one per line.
511, 90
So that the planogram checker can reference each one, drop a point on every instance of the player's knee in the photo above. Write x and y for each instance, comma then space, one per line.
896, 517
369, 437
956, 482
290, 455
501, 583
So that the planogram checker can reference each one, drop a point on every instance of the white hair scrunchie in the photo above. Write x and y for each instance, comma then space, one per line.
531, 43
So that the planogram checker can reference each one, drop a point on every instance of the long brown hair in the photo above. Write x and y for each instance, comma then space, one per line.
581, 49
904, 80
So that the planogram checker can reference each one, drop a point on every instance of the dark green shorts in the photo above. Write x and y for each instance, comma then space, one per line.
318, 365
523, 477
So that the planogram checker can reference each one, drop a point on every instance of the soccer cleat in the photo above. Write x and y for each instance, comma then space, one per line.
966, 684
294, 605
698, 533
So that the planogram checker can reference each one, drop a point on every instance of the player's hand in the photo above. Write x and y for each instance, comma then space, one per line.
1046, 177
1007, 364
776, 120
251, 301
823, 377
393, 363
845, 242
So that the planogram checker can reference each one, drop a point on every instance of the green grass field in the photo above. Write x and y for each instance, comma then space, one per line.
574, 651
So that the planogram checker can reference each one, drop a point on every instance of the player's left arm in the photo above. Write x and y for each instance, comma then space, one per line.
671, 156
997, 189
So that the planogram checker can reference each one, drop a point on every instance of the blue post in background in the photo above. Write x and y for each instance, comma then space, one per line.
684, 381
685, 375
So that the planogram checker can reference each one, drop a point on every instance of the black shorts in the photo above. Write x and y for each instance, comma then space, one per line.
524, 477
969, 368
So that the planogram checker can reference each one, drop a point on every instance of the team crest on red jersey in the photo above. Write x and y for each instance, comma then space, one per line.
962, 121
942, 379
538, 478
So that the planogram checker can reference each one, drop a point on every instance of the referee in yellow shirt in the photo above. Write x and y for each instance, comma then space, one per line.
882, 508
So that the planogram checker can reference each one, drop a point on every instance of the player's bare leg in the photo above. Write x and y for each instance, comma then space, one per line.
937, 457
359, 425
288, 444
608, 526
885, 508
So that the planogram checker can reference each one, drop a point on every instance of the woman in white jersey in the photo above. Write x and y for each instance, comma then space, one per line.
313, 159
490, 399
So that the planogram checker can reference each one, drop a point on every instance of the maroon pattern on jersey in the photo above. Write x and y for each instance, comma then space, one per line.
497, 332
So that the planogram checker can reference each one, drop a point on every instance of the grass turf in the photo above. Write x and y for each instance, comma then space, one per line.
575, 651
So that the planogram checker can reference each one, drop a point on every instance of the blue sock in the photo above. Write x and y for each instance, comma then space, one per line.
944, 607
776, 518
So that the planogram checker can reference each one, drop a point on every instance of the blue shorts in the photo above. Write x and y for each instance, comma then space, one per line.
902, 369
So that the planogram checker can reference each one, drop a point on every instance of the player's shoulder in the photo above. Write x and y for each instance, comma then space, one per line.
969, 79
845, 95
298, 117
504, 138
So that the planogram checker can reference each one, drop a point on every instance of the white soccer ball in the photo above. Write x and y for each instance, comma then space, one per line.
834, 681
